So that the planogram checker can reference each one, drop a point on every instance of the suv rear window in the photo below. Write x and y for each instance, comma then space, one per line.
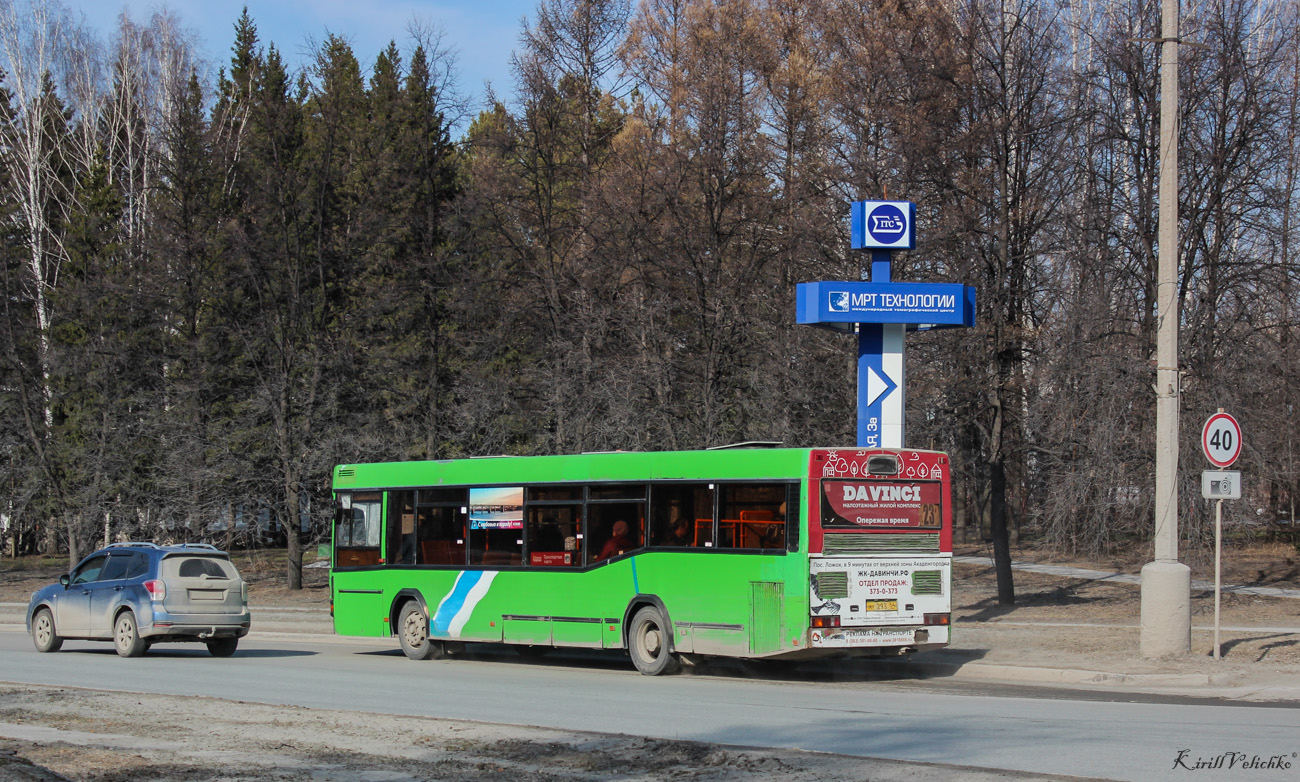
198, 567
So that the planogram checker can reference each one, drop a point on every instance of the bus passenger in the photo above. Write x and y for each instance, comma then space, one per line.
617, 543
679, 535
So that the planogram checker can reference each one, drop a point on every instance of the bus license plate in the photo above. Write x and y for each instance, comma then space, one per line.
881, 605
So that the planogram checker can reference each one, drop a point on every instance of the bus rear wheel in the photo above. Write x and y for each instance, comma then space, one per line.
648, 642
413, 633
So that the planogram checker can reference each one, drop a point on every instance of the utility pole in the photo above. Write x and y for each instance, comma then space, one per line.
1166, 582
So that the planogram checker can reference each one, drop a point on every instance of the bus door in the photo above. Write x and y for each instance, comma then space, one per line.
360, 607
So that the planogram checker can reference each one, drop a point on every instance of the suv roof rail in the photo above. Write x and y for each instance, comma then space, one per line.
138, 544
204, 546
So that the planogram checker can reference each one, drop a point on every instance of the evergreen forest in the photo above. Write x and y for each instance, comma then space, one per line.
224, 275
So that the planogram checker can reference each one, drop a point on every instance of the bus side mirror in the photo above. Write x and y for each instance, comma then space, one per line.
65, 579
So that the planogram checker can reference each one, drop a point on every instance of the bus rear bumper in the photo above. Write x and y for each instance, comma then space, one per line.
897, 636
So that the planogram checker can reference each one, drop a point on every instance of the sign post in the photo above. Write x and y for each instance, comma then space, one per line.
1221, 442
881, 312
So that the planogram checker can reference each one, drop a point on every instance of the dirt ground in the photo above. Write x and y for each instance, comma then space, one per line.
87, 736
1037, 629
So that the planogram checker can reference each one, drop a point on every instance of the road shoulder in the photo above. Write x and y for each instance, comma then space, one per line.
88, 734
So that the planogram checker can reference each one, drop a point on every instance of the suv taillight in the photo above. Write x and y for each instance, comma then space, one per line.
157, 590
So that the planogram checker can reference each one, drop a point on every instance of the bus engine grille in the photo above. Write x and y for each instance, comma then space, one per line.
858, 543
832, 585
927, 582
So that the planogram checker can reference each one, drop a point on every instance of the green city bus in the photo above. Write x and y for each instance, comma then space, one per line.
737, 552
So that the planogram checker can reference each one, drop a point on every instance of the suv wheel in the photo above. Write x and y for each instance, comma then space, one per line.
126, 636
223, 647
44, 635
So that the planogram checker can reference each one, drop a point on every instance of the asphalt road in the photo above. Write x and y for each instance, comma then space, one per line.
1113, 740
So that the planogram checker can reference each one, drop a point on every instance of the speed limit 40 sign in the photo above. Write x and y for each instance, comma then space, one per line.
1221, 439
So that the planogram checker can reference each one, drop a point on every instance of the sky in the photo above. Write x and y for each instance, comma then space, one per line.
482, 32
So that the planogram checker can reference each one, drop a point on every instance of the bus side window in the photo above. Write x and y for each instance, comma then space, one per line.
501, 547
681, 515
496, 525
752, 515
441, 533
614, 528
401, 528
601, 540
552, 538
616, 520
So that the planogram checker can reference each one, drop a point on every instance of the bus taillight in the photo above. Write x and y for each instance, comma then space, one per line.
936, 619
824, 621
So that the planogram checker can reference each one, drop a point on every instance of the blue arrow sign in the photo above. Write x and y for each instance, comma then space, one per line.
879, 385
880, 393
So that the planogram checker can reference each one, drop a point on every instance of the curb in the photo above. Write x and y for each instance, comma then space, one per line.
1023, 673
1028, 674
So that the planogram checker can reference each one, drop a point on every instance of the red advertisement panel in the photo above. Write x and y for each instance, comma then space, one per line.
922, 502
871, 503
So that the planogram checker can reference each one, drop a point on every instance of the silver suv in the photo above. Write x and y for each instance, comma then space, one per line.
140, 594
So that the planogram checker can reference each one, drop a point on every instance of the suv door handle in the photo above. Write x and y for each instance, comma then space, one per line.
117, 589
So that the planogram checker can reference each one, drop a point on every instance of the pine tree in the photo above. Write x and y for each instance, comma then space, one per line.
197, 271
102, 370
20, 414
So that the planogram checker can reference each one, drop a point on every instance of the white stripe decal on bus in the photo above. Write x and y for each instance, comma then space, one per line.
458, 604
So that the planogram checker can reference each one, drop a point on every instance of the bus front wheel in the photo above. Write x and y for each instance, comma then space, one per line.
413, 633
649, 641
